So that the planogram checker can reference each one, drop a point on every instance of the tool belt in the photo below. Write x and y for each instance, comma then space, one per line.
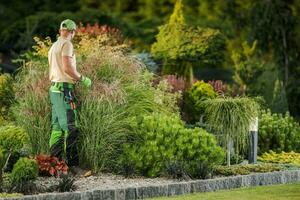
62, 86
67, 89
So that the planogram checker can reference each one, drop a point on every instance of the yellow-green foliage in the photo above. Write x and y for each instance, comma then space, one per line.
6, 93
12, 138
282, 158
10, 195
2, 121
245, 169
24, 170
182, 42
198, 92
177, 16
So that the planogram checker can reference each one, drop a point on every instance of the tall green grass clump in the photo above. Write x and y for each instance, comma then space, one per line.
230, 119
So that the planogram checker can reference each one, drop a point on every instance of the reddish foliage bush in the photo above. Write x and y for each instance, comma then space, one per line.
219, 86
178, 84
49, 165
96, 29
229, 90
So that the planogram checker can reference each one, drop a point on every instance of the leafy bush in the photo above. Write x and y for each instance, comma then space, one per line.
3, 122
278, 133
49, 165
163, 143
178, 84
24, 170
181, 45
282, 158
6, 94
219, 87
259, 78
200, 91
245, 169
146, 58
12, 138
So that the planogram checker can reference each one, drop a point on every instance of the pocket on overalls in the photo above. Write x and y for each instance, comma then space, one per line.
69, 99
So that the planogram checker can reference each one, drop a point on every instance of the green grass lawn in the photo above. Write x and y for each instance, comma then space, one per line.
274, 192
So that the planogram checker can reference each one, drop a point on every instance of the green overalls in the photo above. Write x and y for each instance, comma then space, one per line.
64, 126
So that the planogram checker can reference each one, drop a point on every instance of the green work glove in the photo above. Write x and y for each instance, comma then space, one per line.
86, 81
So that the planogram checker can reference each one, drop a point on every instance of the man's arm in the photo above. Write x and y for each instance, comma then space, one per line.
68, 69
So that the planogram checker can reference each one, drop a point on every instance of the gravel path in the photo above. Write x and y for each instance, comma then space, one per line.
104, 181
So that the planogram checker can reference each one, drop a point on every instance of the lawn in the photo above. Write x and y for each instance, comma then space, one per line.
274, 192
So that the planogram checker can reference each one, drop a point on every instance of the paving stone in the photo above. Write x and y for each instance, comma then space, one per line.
88, 195
198, 186
108, 195
120, 194
152, 191
179, 188
130, 193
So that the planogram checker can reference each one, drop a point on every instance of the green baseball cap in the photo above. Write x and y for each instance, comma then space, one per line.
68, 24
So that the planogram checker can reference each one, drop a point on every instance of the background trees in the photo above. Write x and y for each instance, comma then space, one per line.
273, 25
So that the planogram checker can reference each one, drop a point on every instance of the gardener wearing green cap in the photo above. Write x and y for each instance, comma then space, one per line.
63, 75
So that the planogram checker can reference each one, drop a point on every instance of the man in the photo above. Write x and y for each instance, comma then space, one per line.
63, 75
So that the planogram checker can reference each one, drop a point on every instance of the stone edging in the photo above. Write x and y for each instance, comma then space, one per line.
172, 189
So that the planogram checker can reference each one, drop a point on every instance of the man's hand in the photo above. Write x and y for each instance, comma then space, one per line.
86, 81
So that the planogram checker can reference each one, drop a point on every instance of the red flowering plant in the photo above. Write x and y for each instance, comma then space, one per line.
50, 165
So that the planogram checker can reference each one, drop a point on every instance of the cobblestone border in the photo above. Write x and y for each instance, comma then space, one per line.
172, 189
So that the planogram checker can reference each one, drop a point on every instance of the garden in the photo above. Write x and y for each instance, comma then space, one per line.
179, 111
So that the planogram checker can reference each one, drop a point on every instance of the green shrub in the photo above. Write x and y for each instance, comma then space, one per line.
163, 142
230, 118
197, 93
6, 94
3, 122
12, 138
24, 170
278, 133
183, 47
245, 169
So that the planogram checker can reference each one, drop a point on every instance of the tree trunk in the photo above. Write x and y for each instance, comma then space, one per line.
286, 59
189, 74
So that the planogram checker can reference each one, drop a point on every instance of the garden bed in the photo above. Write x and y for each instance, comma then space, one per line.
106, 186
